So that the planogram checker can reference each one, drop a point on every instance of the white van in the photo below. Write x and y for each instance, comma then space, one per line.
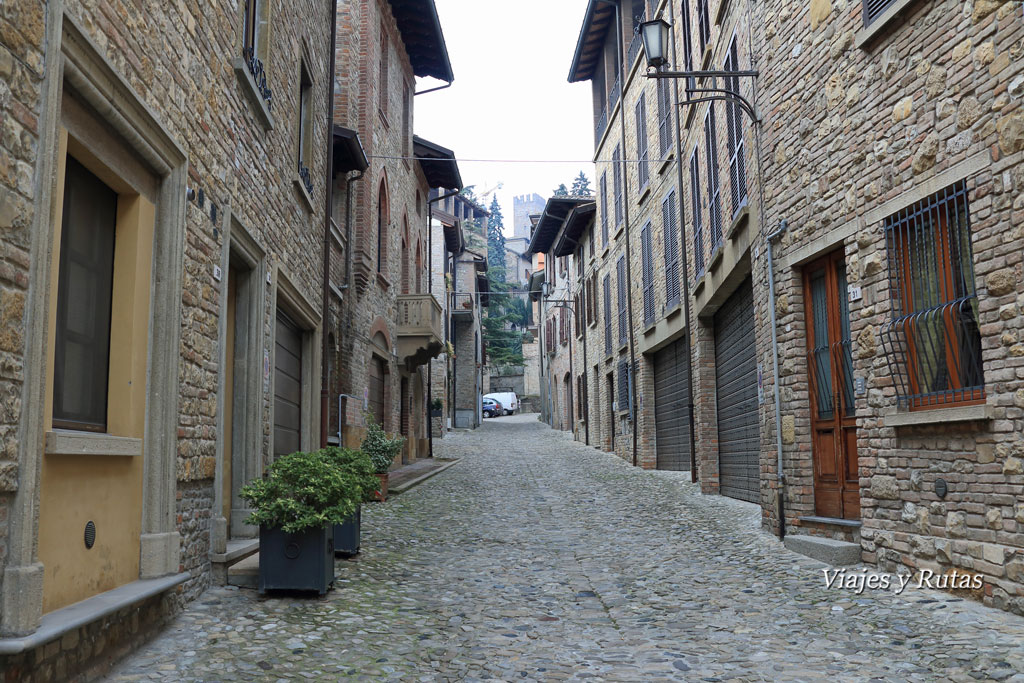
508, 400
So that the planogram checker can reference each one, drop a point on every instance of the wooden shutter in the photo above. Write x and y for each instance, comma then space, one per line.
664, 116
714, 196
647, 272
620, 269
734, 124
698, 227
668, 216
608, 314
642, 147
617, 184
604, 208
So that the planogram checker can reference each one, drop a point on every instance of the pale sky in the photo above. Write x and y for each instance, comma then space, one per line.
511, 98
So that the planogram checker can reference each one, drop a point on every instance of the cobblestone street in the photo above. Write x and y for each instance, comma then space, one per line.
536, 558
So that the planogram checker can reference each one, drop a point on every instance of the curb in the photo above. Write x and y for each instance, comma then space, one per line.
402, 488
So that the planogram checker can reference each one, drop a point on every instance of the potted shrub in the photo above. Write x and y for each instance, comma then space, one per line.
358, 466
296, 506
436, 408
382, 450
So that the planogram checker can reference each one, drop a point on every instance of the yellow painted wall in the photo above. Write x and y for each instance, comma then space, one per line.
107, 490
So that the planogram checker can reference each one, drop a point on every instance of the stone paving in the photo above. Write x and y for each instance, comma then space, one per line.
536, 558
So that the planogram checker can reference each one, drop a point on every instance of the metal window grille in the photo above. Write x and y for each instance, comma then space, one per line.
703, 24
604, 209
698, 226
874, 9
734, 123
642, 146
620, 273
617, 183
714, 192
608, 314
669, 220
933, 342
647, 273
664, 116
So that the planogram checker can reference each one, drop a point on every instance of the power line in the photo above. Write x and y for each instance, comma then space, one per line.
518, 161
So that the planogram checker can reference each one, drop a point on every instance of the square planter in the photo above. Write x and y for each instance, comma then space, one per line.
297, 562
346, 536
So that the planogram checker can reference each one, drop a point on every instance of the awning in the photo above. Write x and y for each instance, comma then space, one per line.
579, 219
555, 213
599, 17
424, 42
348, 151
438, 164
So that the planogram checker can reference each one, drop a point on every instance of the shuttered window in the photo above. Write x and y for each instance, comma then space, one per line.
642, 146
84, 289
734, 124
698, 225
647, 273
623, 403
714, 194
617, 184
687, 43
669, 220
664, 116
608, 314
703, 24
604, 209
620, 273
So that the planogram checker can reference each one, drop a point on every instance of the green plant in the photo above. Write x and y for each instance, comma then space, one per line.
381, 448
309, 490
436, 404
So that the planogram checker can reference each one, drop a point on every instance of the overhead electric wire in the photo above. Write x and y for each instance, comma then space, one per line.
397, 157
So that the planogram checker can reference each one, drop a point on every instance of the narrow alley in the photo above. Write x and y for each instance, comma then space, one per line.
537, 558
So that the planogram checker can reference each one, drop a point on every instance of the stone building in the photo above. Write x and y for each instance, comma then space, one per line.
524, 206
387, 324
163, 227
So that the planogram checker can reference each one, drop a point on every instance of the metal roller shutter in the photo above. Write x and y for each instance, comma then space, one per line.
671, 398
736, 388
287, 387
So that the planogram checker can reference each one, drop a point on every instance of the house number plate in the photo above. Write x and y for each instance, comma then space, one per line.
854, 292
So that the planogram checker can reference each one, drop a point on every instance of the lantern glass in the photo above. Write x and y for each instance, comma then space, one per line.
656, 37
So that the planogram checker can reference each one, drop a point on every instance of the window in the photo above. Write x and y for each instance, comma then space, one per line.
620, 273
734, 124
255, 43
647, 272
714, 194
687, 42
577, 311
642, 147
617, 184
698, 227
406, 121
703, 24
563, 325
664, 117
933, 342
382, 226
578, 257
590, 244
305, 127
382, 81
874, 9
625, 381
581, 399
604, 209
608, 315
671, 225
84, 291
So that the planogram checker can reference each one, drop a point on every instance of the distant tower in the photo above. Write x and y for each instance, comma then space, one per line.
524, 205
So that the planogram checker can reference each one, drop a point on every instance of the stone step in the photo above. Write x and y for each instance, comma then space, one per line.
827, 550
245, 573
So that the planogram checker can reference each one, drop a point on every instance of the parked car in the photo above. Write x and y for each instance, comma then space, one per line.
507, 399
491, 408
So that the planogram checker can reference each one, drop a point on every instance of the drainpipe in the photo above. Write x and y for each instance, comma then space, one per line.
780, 490
325, 307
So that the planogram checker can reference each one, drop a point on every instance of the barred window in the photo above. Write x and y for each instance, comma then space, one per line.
620, 273
647, 272
734, 125
608, 314
714, 194
933, 343
671, 226
642, 147
698, 226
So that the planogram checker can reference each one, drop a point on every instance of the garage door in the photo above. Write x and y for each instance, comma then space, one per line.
287, 386
671, 394
736, 385
376, 389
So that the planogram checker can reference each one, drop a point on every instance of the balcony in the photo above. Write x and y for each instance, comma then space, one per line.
462, 307
419, 329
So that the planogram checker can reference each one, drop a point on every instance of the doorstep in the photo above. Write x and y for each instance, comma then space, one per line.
237, 550
827, 550
245, 573
59, 622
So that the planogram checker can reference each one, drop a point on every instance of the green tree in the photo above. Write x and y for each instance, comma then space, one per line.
496, 243
561, 191
581, 186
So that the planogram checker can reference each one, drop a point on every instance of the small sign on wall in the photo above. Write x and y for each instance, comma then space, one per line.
854, 292
217, 273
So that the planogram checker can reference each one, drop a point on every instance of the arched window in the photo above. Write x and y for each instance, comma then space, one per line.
404, 256
419, 268
382, 226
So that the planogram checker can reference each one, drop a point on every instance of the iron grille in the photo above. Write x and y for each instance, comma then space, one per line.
643, 151
668, 216
647, 273
714, 193
734, 123
600, 127
614, 94
875, 8
620, 273
933, 342
698, 225
608, 315
634, 47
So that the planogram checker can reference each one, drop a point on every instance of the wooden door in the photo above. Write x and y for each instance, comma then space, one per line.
830, 365
287, 386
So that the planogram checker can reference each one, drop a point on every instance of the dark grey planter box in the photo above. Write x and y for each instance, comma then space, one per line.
436, 413
346, 536
297, 562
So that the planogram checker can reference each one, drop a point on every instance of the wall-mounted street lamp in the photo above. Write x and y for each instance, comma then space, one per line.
657, 38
